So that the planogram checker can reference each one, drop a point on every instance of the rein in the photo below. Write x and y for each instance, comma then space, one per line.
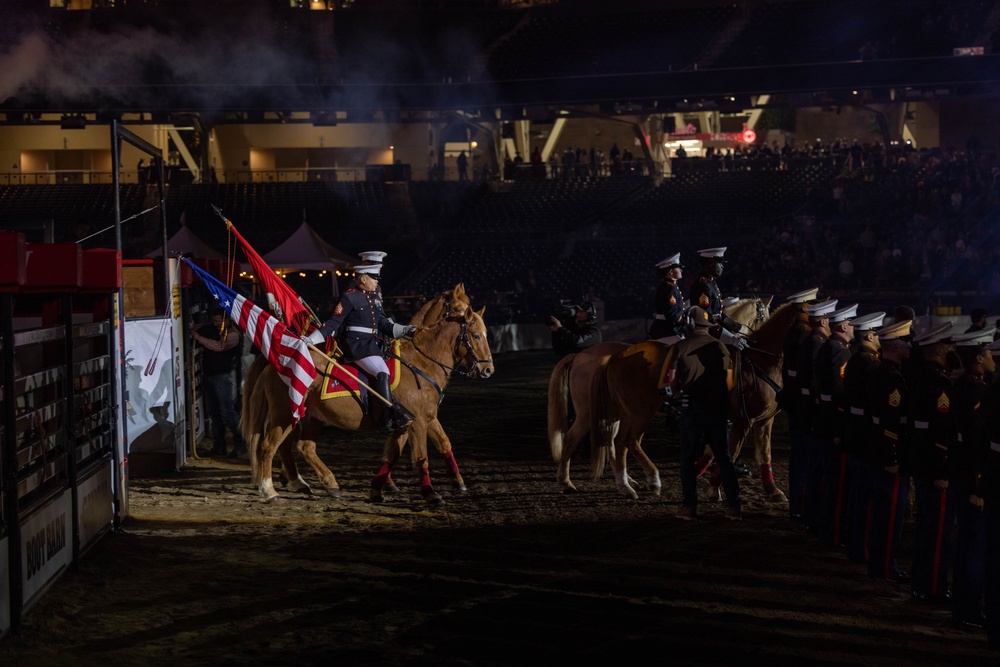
462, 339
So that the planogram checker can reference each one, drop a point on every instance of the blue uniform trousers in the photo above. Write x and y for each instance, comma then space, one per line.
932, 538
859, 508
970, 556
890, 496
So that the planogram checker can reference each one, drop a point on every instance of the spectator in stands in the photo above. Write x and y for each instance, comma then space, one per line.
978, 317
221, 350
462, 162
577, 334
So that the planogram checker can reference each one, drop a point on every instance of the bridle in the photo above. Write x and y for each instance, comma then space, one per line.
461, 340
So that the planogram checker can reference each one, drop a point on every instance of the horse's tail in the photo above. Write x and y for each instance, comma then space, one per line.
604, 421
253, 416
559, 405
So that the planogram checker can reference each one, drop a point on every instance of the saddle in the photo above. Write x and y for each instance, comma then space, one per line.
343, 380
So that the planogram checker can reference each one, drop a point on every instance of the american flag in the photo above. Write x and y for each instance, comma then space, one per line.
288, 353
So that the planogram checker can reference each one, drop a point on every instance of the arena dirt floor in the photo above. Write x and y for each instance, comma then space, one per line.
511, 572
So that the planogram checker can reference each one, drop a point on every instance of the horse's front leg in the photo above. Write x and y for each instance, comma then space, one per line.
307, 448
762, 442
261, 461
652, 472
436, 433
626, 439
571, 440
418, 441
390, 456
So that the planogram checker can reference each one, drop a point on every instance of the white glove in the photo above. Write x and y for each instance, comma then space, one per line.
742, 343
316, 337
400, 330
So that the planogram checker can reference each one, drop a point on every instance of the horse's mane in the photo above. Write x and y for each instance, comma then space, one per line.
771, 334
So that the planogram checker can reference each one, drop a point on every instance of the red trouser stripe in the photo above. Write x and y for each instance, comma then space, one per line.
937, 543
887, 565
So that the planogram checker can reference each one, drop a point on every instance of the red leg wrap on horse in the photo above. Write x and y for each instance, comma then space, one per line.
702, 464
767, 476
425, 479
451, 465
382, 476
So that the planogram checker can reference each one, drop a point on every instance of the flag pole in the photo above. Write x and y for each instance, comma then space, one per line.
341, 367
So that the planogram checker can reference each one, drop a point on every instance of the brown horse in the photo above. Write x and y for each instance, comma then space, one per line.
446, 304
457, 342
571, 381
626, 394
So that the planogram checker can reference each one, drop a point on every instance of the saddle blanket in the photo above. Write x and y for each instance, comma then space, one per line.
343, 381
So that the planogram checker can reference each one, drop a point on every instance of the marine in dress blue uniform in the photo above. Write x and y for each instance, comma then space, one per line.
808, 487
988, 489
668, 320
934, 435
365, 328
790, 396
831, 360
857, 432
888, 407
966, 466
705, 294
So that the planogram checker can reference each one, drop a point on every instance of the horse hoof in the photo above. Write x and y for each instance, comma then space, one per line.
630, 494
390, 487
569, 488
657, 490
376, 497
333, 492
714, 494
777, 496
270, 500
434, 500
458, 484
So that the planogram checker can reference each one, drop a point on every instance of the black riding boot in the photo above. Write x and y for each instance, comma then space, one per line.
394, 417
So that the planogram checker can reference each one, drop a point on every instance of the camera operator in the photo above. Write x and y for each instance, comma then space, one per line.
579, 332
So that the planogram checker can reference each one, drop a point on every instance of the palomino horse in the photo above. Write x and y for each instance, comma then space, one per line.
571, 381
446, 304
625, 395
457, 342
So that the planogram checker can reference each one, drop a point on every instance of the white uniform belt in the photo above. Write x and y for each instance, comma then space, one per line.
995, 446
659, 317
876, 420
960, 437
805, 392
363, 330
792, 373
826, 397
858, 411
923, 426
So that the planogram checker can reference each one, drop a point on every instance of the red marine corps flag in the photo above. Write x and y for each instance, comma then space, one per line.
281, 299
288, 353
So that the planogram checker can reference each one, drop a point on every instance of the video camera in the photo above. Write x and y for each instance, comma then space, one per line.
567, 310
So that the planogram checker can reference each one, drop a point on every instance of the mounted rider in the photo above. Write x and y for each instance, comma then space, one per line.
705, 294
668, 320
366, 327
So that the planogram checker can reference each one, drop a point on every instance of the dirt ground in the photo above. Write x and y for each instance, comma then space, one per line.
511, 572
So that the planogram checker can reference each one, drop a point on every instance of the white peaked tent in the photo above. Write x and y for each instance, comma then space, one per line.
185, 241
307, 251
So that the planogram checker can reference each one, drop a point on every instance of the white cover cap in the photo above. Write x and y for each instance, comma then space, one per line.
822, 309
973, 338
370, 269
372, 256
939, 334
669, 262
844, 314
895, 330
803, 296
712, 252
868, 322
